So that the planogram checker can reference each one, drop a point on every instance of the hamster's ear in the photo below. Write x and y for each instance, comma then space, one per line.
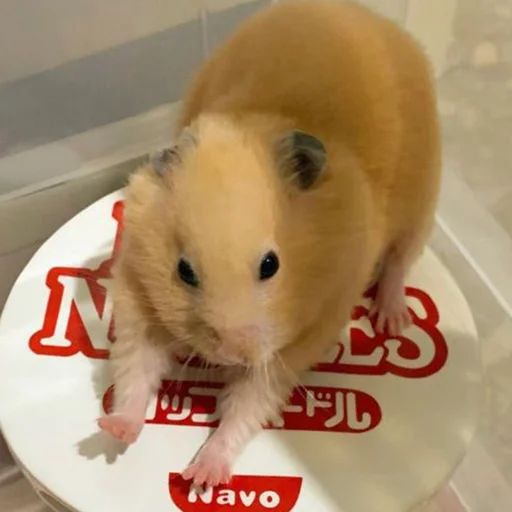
163, 161
301, 158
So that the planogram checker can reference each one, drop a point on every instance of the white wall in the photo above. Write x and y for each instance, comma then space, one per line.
36, 36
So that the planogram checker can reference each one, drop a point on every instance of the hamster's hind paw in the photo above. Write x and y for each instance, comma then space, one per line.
392, 315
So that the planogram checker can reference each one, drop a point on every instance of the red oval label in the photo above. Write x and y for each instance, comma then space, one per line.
244, 493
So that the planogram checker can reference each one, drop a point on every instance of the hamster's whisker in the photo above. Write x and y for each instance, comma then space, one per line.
292, 377
184, 369
266, 375
202, 370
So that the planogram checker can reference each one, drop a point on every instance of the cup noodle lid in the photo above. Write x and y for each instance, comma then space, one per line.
382, 426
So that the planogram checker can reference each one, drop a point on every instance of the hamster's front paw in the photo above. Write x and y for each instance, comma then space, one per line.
121, 427
211, 467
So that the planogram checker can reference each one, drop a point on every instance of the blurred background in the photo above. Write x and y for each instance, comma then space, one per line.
89, 87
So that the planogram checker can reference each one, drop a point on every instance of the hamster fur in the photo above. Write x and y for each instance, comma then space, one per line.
311, 133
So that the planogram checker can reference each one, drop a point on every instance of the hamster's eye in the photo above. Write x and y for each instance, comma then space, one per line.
187, 274
269, 266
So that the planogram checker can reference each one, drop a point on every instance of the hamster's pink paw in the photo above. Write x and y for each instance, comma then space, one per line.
211, 468
121, 427
392, 314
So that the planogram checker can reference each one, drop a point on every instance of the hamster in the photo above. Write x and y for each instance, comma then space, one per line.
306, 156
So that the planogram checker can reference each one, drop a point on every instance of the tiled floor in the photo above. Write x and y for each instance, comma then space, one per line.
476, 103
16, 495
484, 480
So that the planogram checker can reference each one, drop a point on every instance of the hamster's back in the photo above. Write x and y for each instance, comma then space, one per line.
351, 77
337, 69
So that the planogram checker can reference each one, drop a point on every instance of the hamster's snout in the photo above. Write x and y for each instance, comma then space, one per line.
242, 333
239, 345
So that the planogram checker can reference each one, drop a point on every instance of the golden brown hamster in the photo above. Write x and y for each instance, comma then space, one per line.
307, 155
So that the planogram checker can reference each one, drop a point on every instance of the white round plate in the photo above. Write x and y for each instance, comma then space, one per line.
382, 426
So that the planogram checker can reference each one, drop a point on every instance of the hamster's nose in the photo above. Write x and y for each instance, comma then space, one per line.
238, 346
246, 333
